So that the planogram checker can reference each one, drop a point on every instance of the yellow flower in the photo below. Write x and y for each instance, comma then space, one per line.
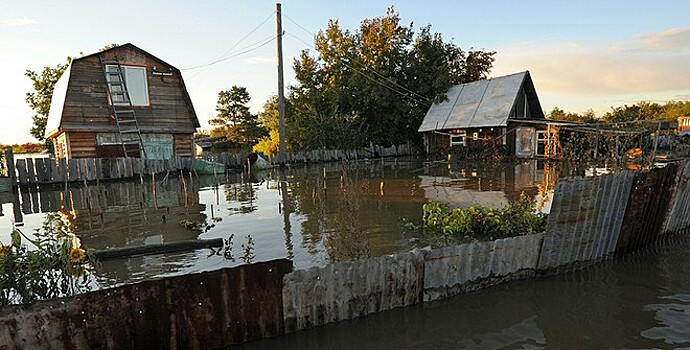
4, 249
76, 255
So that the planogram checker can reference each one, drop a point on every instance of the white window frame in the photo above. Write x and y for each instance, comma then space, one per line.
463, 137
125, 74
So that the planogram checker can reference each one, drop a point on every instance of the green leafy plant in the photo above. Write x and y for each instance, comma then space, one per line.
56, 265
515, 219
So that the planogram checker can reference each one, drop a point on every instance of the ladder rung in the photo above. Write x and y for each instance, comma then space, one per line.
129, 131
128, 111
126, 121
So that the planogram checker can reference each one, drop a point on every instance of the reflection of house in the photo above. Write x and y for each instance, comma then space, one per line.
488, 109
91, 114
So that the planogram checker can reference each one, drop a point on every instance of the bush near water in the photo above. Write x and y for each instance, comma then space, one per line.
515, 219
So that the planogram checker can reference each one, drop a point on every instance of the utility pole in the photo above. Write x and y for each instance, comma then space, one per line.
281, 95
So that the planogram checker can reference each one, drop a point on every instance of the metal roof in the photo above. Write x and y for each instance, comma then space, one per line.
483, 103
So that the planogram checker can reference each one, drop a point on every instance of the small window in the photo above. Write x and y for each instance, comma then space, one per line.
475, 136
135, 80
457, 139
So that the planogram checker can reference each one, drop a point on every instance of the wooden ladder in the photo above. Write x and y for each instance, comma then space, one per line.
123, 110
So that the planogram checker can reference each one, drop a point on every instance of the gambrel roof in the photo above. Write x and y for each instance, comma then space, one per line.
483, 103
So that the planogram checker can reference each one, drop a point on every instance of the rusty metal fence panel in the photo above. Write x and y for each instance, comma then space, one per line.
200, 311
452, 270
586, 218
347, 290
647, 208
678, 217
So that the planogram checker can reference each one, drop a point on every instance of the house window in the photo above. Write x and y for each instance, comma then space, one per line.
542, 139
457, 139
137, 87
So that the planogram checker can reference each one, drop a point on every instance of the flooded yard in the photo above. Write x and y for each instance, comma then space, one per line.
311, 214
639, 302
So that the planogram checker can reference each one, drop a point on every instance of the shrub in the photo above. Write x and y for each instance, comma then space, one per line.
515, 219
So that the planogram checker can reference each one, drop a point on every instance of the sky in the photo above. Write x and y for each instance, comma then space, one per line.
581, 54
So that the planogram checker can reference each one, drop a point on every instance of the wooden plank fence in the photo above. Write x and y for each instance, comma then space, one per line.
322, 155
41, 171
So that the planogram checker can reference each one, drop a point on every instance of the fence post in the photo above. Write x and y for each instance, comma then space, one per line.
9, 163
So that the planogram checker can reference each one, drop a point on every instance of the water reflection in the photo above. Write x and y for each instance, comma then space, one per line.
311, 214
674, 315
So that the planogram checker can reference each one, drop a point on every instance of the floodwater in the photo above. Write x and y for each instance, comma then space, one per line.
639, 302
310, 214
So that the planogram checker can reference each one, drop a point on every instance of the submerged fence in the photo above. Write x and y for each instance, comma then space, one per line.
323, 155
41, 171
592, 219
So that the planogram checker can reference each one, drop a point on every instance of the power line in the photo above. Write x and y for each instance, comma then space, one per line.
299, 25
362, 65
222, 58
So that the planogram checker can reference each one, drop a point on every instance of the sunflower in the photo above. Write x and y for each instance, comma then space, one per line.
4, 249
76, 255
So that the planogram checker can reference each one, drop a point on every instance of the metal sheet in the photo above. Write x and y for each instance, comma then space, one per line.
438, 113
678, 218
200, 311
483, 103
452, 270
586, 218
647, 210
347, 290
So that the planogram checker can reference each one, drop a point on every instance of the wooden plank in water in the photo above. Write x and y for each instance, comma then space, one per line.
72, 170
35, 204
31, 173
59, 170
40, 170
21, 169
9, 163
99, 168
152, 249
26, 202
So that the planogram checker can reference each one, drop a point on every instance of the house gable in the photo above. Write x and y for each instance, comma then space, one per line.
485, 103
80, 100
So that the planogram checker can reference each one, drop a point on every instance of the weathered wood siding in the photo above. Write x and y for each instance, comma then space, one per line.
184, 145
87, 108
81, 144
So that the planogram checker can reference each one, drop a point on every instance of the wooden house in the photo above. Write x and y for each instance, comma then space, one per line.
121, 102
504, 108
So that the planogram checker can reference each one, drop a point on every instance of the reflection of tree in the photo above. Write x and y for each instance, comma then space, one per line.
244, 194
345, 239
327, 211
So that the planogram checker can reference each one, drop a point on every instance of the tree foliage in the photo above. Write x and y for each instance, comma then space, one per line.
586, 117
39, 99
374, 84
234, 119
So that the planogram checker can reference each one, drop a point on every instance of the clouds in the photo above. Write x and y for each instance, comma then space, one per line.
17, 22
649, 64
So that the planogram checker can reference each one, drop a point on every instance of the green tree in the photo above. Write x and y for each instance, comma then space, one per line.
39, 99
586, 117
374, 84
234, 118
